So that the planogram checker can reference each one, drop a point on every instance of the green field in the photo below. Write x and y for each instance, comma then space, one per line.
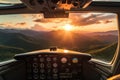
106, 53
7, 52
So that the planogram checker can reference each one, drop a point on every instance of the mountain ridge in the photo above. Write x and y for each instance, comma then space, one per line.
21, 41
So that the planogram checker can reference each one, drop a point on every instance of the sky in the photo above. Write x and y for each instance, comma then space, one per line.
84, 22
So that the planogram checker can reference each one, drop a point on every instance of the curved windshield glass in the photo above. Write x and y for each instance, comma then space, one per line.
7, 3
93, 33
10, 1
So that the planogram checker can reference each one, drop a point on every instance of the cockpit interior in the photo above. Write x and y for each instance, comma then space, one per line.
59, 40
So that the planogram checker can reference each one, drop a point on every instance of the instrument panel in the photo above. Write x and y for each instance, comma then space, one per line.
53, 67
54, 64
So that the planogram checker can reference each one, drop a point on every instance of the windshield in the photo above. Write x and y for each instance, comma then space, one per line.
93, 33
10, 1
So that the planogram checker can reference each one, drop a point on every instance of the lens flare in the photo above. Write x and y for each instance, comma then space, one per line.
66, 51
67, 27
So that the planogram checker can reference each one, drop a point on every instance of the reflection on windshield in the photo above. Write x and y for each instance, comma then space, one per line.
10, 1
94, 33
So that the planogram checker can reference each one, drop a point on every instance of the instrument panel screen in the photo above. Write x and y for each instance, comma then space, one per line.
53, 67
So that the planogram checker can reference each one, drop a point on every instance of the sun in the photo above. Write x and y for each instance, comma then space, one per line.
67, 27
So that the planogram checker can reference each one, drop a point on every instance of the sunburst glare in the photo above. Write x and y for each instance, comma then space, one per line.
68, 27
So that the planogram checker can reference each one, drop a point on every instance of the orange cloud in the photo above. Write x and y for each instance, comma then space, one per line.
81, 20
43, 20
21, 24
108, 21
38, 27
37, 16
10, 25
55, 20
7, 25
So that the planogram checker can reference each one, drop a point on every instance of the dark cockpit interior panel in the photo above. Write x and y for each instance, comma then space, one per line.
54, 65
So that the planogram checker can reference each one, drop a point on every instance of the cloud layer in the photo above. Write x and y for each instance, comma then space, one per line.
82, 20
37, 22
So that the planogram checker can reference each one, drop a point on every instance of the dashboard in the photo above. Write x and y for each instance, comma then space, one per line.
54, 65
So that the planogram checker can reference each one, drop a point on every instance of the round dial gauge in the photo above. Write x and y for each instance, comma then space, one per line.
64, 60
75, 60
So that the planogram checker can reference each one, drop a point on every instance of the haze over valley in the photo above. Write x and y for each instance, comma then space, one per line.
14, 41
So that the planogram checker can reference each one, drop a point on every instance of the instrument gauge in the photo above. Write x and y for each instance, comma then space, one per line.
75, 60
64, 60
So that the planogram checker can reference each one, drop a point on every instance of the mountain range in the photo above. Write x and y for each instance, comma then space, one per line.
14, 41
32, 40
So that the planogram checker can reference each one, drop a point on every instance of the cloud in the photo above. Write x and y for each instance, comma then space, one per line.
107, 21
37, 16
38, 27
89, 19
79, 19
21, 24
38, 20
42, 20
7, 25
1, 24
25, 15
55, 20
10, 25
